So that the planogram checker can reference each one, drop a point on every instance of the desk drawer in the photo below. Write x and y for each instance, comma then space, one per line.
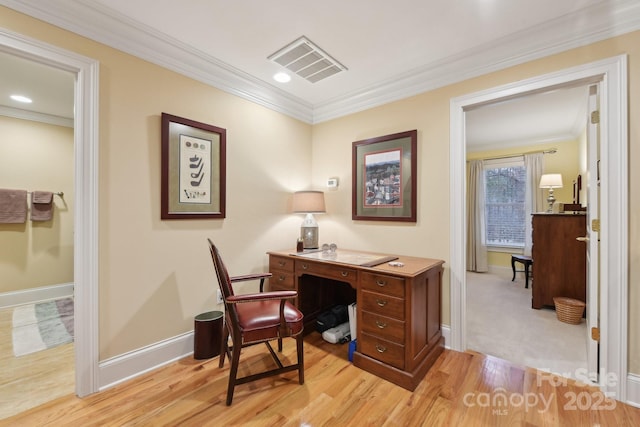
382, 350
387, 285
331, 271
281, 280
382, 304
383, 327
280, 263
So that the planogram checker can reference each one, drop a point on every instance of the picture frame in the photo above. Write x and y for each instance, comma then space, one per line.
384, 178
193, 171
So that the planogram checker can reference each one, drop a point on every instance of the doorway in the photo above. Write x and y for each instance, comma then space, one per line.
85, 253
550, 126
612, 75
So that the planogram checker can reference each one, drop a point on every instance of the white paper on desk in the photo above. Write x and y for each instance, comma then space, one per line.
351, 308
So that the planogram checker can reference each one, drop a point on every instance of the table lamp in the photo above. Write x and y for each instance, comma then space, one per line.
309, 202
551, 181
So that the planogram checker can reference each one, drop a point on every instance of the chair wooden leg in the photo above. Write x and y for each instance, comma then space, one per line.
280, 345
224, 345
233, 372
300, 351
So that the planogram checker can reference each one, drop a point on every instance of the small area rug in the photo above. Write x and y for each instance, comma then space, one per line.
42, 325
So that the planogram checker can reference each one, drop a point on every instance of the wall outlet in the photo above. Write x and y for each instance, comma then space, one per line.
218, 296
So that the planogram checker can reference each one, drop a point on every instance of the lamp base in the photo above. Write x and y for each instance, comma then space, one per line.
550, 200
309, 237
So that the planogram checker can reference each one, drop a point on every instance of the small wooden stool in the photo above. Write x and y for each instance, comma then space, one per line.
527, 261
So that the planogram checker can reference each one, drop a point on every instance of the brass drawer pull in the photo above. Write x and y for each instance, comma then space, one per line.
305, 266
282, 263
381, 282
281, 278
380, 348
380, 324
344, 273
381, 302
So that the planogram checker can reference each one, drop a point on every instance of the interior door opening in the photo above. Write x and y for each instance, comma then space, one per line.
614, 252
523, 336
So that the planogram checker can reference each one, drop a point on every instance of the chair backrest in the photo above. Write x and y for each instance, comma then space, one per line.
224, 281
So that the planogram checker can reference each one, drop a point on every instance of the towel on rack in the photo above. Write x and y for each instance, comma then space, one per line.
13, 206
41, 206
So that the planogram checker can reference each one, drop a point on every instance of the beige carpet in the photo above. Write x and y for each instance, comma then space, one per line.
501, 323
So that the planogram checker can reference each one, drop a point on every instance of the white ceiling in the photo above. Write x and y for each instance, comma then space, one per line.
392, 50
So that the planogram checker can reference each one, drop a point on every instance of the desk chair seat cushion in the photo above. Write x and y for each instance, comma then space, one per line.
260, 320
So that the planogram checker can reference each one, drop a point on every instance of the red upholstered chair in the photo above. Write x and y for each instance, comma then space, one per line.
253, 319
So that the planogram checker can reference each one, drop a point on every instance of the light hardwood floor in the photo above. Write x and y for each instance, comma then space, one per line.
33, 379
461, 389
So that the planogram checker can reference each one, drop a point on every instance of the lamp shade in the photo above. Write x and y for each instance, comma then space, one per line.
551, 180
308, 202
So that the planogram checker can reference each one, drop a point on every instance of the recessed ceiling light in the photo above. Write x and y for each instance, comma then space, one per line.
21, 98
282, 77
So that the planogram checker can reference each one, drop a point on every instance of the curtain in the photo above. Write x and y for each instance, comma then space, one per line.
534, 197
476, 242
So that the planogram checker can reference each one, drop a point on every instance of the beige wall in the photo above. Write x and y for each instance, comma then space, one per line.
155, 275
429, 114
566, 161
37, 156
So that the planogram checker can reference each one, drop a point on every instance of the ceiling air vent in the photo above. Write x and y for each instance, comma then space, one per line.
307, 60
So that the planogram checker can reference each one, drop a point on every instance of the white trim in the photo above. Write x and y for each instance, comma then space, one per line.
135, 363
101, 23
612, 73
86, 191
633, 390
446, 334
30, 296
17, 113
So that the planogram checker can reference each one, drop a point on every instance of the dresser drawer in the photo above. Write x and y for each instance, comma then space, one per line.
383, 327
387, 285
280, 263
385, 305
281, 280
382, 350
330, 271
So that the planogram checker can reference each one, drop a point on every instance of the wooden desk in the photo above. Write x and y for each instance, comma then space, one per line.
398, 308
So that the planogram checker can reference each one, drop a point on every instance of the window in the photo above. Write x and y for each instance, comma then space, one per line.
504, 190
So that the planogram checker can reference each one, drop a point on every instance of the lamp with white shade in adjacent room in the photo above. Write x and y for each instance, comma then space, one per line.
309, 202
551, 181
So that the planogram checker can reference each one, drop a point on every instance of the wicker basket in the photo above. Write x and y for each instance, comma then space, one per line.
569, 310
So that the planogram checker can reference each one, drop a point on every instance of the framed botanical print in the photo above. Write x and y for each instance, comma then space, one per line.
193, 169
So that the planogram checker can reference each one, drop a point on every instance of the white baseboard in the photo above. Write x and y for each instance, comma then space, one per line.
130, 365
633, 390
30, 296
446, 333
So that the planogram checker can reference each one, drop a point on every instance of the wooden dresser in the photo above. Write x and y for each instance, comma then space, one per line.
398, 308
559, 260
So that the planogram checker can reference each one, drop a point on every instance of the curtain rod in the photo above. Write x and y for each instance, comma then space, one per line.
506, 156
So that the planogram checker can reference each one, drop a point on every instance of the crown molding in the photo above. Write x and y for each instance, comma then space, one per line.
17, 113
533, 43
92, 20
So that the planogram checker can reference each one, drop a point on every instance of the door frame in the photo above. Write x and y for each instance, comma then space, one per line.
612, 74
85, 222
